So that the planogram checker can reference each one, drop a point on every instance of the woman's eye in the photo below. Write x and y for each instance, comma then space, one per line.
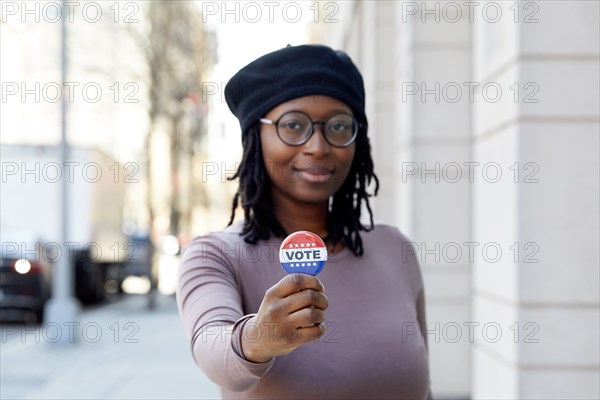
339, 127
292, 125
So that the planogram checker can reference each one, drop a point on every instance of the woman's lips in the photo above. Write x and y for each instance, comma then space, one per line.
316, 175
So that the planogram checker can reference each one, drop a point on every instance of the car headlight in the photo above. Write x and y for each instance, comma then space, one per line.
22, 266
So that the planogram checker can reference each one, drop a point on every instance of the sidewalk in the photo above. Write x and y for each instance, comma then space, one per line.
122, 351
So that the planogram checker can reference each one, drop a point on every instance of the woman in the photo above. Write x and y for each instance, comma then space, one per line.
356, 331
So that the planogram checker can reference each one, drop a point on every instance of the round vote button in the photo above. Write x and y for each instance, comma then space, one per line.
303, 252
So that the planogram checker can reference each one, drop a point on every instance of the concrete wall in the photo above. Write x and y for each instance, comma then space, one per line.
484, 120
550, 209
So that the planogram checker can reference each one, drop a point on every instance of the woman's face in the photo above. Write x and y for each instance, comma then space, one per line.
312, 172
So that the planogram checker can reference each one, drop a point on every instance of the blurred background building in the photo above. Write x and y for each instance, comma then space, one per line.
484, 120
134, 95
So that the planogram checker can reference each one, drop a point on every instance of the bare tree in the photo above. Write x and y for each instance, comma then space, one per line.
177, 55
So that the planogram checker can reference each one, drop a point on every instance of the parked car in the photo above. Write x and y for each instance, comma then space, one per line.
25, 286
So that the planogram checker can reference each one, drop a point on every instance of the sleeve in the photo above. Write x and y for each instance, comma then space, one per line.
210, 306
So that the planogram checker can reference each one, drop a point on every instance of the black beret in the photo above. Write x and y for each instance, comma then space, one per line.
292, 72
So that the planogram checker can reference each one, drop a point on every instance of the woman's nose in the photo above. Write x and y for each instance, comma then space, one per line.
317, 146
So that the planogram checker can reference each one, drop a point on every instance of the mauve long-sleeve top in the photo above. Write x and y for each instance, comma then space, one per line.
375, 343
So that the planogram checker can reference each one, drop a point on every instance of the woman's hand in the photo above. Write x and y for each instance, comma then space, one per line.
290, 315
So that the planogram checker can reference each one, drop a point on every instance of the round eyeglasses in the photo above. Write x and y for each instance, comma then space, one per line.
294, 128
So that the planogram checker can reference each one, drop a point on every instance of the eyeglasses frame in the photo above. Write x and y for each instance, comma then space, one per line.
312, 128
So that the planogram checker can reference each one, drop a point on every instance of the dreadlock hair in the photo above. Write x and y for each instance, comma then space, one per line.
343, 220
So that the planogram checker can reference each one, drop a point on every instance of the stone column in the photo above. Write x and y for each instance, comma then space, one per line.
539, 297
431, 46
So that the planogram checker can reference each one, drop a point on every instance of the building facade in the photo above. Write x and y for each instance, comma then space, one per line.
484, 119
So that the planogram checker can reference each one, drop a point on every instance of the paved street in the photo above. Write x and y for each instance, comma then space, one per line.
122, 351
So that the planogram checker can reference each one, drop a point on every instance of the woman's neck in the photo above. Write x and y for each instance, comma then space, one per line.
295, 216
